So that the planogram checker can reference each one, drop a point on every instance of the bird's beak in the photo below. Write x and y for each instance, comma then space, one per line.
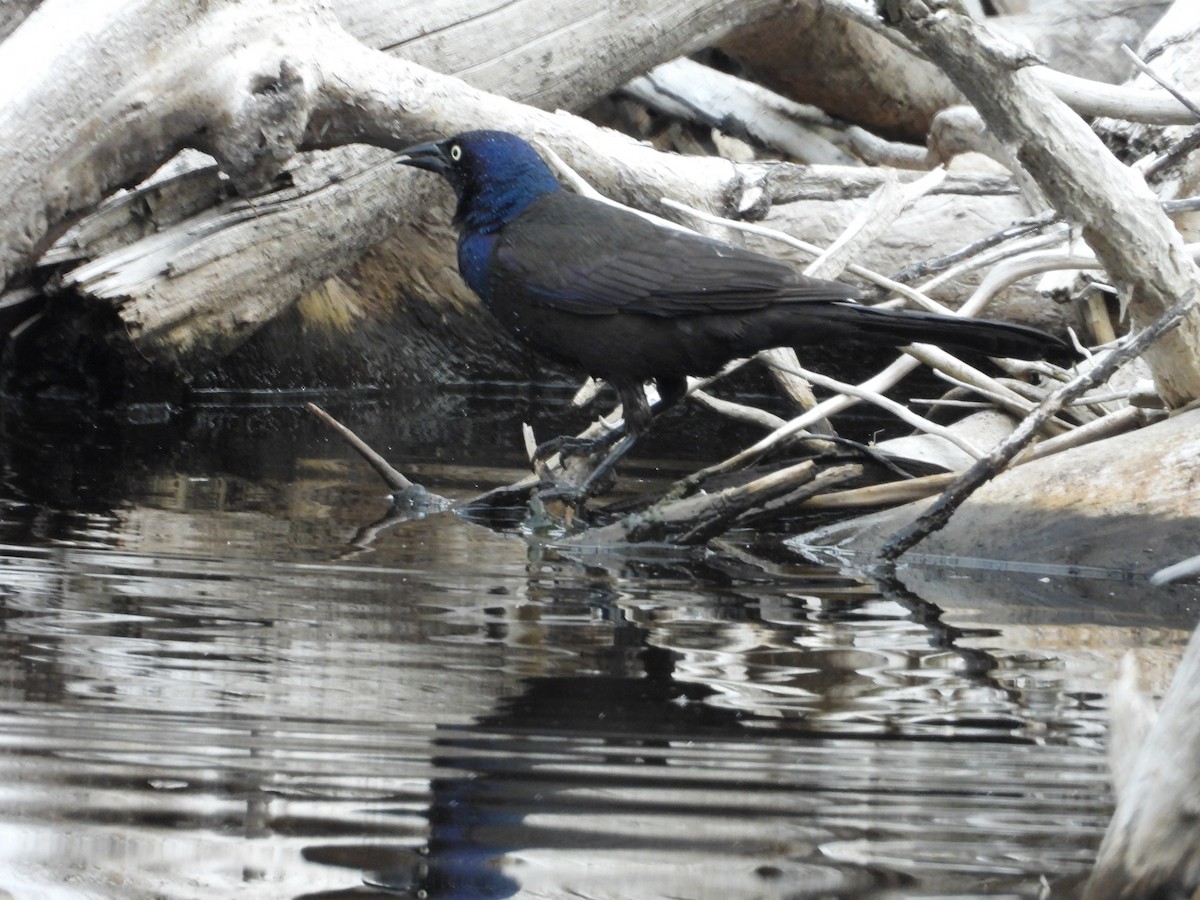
430, 157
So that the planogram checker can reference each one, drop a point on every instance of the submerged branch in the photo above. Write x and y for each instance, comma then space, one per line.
391, 477
405, 493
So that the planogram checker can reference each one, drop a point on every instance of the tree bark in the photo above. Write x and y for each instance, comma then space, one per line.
13, 13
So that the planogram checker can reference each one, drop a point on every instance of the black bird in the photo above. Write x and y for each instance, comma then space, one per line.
606, 292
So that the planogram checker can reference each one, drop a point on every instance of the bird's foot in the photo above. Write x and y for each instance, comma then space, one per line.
586, 481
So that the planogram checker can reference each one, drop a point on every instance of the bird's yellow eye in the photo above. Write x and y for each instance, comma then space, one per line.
455, 152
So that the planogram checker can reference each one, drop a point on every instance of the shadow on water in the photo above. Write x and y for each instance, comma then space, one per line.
206, 692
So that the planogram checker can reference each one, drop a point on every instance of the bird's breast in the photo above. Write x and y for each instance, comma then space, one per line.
474, 252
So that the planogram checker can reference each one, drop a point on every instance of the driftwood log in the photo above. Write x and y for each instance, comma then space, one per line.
1152, 845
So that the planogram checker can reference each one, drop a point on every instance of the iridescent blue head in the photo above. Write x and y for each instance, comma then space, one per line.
494, 174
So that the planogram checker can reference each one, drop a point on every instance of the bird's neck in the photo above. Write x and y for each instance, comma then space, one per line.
490, 205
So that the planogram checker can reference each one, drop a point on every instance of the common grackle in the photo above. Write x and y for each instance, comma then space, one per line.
606, 292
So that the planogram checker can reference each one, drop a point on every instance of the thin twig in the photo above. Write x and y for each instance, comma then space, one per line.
1092, 399
1118, 422
880, 382
891, 493
1181, 205
1175, 572
897, 409
878, 151
773, 508
739, 411
1173, 155
868, 275
1183, 147
1162, 82
957, 404
953, 370
391, 477
1020, 229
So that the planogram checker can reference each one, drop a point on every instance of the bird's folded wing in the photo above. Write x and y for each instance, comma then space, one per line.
592, 259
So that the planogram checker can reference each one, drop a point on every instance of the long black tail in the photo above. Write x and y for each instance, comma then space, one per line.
898, 327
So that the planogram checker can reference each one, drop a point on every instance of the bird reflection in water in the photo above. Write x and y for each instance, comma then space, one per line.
515, 764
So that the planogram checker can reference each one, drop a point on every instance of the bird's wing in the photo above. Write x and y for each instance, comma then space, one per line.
576, 255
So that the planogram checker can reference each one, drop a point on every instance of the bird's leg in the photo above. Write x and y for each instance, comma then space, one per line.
617, 443
638, 417
635, 409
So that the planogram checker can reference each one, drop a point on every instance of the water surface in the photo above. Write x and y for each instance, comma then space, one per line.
221, 676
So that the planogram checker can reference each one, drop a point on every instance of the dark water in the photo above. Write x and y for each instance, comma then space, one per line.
217, 680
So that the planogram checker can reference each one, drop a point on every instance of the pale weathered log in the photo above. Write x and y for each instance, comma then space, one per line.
1119, 216
549, 55
1083, 37
1127, 503
693, 92
1008, 450
813, 54
1152, 846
